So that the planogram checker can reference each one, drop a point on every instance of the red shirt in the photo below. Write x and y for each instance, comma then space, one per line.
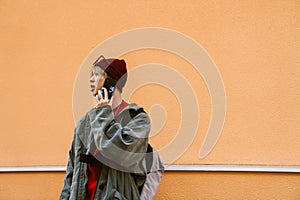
119, 108
94, 169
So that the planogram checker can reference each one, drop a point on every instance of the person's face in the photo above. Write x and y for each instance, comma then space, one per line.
97, 80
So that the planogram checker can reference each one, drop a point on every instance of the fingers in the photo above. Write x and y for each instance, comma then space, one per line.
100, 100
97, 99
105, 94
100, 95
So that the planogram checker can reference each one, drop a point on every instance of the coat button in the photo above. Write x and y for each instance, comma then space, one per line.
101, 186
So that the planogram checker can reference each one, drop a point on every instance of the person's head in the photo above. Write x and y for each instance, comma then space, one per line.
112, 67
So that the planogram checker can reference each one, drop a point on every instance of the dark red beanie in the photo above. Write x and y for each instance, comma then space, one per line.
115, 69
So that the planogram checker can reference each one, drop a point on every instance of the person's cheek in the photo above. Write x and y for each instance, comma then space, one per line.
98, 83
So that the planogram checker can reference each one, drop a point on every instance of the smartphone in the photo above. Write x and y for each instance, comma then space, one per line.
109, 84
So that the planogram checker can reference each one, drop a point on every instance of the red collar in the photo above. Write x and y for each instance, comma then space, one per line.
119, 108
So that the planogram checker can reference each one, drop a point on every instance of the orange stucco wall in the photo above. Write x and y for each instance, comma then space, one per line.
254, 44
175, 185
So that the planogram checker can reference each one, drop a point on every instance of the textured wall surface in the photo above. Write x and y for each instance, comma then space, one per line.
175, 185
254, 44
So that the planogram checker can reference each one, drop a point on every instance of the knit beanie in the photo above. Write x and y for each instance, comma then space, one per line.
115, 69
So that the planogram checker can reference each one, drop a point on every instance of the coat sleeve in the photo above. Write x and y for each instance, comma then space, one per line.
123, 144
151, 185
65, 193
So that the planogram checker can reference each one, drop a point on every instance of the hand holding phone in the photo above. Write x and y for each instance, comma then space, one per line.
109, 85
104, 95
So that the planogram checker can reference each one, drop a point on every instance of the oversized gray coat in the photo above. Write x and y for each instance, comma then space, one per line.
120, 144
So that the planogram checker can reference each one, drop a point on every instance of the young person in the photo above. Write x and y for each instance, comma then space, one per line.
110, 157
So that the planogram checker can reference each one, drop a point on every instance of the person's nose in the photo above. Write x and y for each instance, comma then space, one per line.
92, 80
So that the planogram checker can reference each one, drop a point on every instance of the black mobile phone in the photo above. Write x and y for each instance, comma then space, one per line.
109, 84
